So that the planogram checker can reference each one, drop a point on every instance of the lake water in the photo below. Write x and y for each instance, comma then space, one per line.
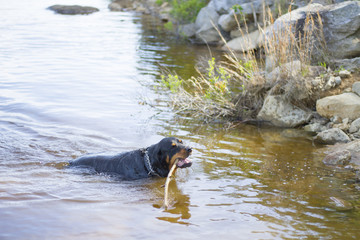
72, 85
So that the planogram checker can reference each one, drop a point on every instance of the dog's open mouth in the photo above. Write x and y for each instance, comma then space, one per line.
183, 163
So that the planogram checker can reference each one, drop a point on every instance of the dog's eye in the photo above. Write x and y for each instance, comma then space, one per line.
173, 144
180, 141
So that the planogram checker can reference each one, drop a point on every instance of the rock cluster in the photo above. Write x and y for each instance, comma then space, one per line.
340, 24
343, 111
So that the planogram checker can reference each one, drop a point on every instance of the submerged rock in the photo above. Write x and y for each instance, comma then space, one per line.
73, 9
340, 204
332, 136
339, 155
338, 158
281, 113
315, 127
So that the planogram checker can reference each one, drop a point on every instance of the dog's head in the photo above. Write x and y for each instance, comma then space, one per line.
167, 152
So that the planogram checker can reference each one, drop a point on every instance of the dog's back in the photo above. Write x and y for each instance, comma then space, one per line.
127, 164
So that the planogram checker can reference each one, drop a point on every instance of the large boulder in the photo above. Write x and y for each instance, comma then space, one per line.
205, 23
293, 20
281, 113
72, 9
342, 29
340, 24
346, 105
332, 136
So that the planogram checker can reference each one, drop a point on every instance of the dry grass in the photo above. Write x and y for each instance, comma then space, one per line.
236, 88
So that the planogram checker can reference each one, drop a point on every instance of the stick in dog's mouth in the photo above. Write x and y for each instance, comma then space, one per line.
179, 163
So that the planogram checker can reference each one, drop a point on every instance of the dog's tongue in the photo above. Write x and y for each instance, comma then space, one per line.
184, 163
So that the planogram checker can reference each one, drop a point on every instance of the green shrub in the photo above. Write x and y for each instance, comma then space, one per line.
171, 82
185, 11
159, 2
169, 26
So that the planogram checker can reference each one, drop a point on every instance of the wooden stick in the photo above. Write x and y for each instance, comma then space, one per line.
168, 179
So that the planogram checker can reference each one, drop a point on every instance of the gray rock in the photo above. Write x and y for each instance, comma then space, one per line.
356, 135
73, 9
115, 7
352, 64
353, 147
346, 105
293, 18
330, 83
292, 69
228, 21
355, 126
187, 30
281, 113
224, 6
245, 43
337, 80
249, 11
315, 127
338, 158
344, 74
356, 88
341, 24
332, 136
336, 119
205, 22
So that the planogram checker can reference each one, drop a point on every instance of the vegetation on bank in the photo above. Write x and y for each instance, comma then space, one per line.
184, 11
235, 88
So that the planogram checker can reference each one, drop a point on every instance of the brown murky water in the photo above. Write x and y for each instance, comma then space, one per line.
71, 85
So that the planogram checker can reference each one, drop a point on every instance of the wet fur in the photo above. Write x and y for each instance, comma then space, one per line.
131, 165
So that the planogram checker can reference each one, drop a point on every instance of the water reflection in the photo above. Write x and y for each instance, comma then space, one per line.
173, 53
178, 210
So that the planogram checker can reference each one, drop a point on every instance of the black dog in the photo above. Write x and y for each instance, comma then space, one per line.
156, 160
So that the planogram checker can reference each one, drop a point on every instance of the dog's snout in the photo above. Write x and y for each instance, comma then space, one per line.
189, 149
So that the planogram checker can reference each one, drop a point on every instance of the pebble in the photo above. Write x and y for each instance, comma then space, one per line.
344, 74
341, 204
337, 80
